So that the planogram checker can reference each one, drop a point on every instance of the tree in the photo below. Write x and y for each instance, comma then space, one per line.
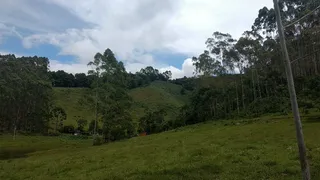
96, 65
207, 65
62, 79
58, 115
167, 75
152, 122
112, 100
219, 45
81, 80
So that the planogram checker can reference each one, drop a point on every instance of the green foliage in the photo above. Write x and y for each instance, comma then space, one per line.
111, 99
153, 122
58, 115
25, 93
268, 105
61, 78
146, 76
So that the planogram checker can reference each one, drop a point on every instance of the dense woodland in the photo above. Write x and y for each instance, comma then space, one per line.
234, 78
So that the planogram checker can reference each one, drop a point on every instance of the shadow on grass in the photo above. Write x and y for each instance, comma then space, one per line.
206, 170
313, 119
6, 154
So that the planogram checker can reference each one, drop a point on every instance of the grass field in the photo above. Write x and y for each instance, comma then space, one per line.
68, 99
157, 95
262, 148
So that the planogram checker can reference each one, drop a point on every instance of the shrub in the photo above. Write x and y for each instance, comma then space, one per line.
97, 140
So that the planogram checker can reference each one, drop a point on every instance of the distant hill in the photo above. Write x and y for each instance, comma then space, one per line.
157, 95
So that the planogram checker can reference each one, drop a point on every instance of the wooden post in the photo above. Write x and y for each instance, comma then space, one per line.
295, 109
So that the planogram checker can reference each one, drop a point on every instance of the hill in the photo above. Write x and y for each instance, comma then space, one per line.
157, 95
262, 148
68, 99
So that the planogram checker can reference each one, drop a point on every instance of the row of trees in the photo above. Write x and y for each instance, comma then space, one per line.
253, 75
147, 75
144, 77
61, 78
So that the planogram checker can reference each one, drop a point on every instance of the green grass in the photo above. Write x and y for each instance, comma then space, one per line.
158, 95
68, 99
262, 148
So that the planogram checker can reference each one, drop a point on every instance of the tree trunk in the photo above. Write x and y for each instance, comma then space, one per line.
258, 82
237, 94
267, 91
253, 85
315, 62
302, 148
242, 89
96, 119
14, 131
214, 107
15, 123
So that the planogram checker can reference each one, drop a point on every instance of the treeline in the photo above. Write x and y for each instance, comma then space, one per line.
61, 78
249, 74
147, 75
141, 78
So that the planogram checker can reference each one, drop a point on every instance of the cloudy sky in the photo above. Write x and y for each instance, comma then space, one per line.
160, 33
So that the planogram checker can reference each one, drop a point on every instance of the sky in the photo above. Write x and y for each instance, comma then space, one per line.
164, 34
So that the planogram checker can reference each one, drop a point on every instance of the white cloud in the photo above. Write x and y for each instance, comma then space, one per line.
133, 29
8, 31
70, 68
187, 69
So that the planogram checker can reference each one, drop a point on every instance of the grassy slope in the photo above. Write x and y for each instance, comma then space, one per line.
157, 95
265, 149
68, 99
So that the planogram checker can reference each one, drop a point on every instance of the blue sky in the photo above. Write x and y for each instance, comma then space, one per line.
164, 34
14, 45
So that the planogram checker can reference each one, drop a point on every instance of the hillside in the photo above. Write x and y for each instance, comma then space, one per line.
68, 99
157, 95
262, 148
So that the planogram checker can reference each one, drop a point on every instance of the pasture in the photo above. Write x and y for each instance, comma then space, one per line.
262, 148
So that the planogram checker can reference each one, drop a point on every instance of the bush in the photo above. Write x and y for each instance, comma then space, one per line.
97, 140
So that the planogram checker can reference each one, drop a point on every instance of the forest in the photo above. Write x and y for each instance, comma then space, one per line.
235, 78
